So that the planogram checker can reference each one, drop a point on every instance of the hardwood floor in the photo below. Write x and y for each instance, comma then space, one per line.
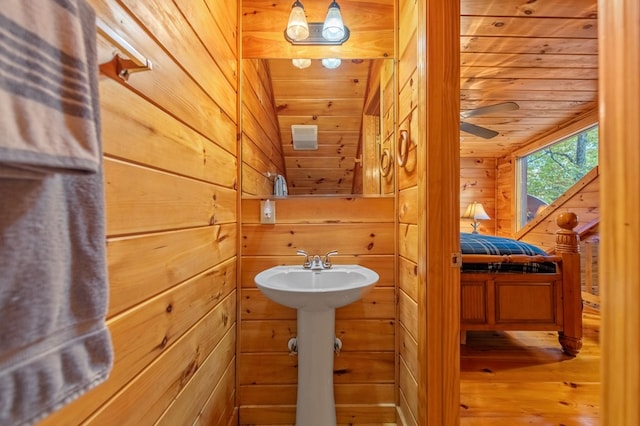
524, 378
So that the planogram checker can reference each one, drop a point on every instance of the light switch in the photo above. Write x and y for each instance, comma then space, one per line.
267, 211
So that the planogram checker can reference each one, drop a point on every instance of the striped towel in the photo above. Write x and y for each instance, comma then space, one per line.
54, 343
280, 186
47, 95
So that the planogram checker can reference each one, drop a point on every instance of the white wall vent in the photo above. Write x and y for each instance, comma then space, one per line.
305, 136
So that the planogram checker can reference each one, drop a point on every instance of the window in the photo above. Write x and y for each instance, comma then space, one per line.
546, 174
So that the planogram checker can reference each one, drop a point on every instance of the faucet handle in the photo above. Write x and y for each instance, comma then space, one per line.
307, 260
327, 261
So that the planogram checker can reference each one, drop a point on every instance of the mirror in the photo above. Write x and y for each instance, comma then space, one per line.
353, 110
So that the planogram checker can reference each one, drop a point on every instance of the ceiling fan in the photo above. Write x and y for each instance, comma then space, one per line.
482, 131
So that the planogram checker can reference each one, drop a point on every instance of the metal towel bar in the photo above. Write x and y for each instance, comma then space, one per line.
121, 67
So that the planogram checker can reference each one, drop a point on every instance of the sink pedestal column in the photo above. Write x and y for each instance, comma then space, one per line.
315, 339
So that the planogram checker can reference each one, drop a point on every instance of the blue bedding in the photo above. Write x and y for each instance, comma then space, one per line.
489, 244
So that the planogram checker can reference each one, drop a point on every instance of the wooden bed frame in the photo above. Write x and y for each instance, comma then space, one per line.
532, 301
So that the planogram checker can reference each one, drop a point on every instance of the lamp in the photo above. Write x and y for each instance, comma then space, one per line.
332, 31
297, 27
476, 212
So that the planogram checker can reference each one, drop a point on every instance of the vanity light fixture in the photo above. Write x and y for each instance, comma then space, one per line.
331, 63
301, 63
330, 32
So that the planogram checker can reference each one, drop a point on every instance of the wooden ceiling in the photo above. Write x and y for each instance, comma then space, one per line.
540, 54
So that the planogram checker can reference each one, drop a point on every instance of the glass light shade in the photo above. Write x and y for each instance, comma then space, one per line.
333, 28
297, 28
331, 63
301, 63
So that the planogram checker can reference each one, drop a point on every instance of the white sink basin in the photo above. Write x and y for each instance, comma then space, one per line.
300, 288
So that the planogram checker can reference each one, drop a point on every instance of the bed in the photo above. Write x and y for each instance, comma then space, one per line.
510, 285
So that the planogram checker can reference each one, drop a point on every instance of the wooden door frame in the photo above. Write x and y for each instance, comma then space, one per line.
619, 92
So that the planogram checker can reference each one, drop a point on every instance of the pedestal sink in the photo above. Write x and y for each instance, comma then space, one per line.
316, 294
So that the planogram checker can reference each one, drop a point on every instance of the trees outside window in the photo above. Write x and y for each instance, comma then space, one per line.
546, 174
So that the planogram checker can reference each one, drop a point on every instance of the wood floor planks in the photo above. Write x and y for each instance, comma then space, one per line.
523, 378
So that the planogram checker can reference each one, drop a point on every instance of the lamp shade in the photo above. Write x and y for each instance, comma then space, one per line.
475, 211
333, 28
297, 28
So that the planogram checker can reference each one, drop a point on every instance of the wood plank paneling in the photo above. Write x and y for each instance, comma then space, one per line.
141, 200
620, 234
170, 375
478, 183
345, 415
408, 369
355, 239
188, 101
221, 406
540, 55
438, 166
261, 141
175, 34
286, 394
170, 146
168, 257
356, 335
148, 136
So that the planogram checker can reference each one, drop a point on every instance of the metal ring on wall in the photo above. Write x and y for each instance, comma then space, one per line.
403, 147
386, 162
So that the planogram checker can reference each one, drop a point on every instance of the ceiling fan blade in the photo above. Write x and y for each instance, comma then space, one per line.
502, 107
477, 130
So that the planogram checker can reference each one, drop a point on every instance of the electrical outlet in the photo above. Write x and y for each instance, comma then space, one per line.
268, 211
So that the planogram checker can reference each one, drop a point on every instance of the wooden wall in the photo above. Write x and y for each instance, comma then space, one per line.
387, 122
362, 230
620, 232
170, 159
428, 202
408, 361
478, 183
261, 140
505, 211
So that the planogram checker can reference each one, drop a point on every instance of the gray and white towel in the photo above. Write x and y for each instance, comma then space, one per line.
280, 186
54, 344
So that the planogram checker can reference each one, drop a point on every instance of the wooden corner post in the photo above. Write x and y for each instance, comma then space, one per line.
568, 246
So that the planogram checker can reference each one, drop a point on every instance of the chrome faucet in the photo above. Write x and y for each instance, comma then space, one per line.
315, 262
